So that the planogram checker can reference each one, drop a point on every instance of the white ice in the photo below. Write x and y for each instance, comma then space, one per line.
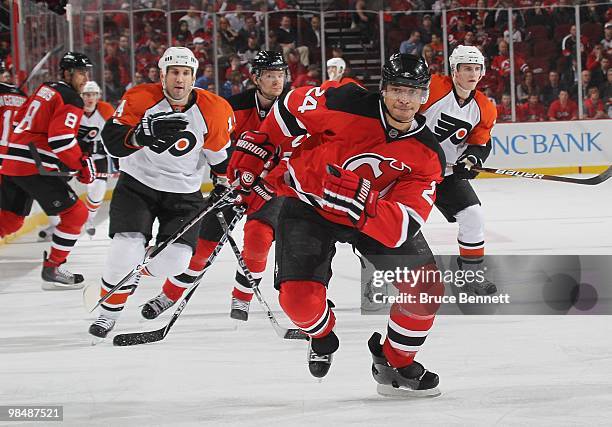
507, 370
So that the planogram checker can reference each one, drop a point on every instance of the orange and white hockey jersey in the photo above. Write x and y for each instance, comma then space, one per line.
179, 169
457, 126
93, 124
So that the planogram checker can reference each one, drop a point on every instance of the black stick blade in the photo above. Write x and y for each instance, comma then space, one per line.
136, 338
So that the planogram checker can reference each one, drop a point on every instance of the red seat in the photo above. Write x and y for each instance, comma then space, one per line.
561, 31
524, 48
538, 32
545, 49
592, 31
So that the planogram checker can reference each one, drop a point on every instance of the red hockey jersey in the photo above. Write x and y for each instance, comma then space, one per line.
50, 119
349, 128
11, 99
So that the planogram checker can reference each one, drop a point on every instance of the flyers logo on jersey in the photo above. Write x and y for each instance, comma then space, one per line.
451, 128
381, 171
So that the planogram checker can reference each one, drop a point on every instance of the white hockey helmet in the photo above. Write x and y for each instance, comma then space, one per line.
91, 87
338, 63
178, 56
467, 55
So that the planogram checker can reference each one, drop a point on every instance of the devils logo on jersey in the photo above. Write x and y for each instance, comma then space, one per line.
451, 128
381, 171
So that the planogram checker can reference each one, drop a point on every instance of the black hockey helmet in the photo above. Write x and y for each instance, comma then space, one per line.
72, 60
268, 60
404, 69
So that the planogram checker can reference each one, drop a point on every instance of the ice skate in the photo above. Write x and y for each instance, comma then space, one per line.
410, 381
56, 278
476, 287
240, 309
90, 228
101, 327
156, 306
320, 354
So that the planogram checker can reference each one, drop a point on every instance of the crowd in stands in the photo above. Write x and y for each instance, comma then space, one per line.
544, 43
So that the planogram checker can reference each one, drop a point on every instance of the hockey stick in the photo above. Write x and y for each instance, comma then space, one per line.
521, 174
40, 64
44, 172
288, 334
223, 201
136, 338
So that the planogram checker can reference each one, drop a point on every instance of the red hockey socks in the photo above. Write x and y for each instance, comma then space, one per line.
9, 223
306, 304
66, 233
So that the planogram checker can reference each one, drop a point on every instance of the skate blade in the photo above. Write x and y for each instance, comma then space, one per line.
54, 286
96, 340
405, 393
91, 295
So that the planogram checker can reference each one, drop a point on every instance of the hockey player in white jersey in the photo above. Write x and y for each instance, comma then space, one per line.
462, 118
96, 114
164, 134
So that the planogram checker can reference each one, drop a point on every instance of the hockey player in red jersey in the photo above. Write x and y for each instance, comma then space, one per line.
164, 135
96, 114
369, 179
269, 73
462, 118
49, 120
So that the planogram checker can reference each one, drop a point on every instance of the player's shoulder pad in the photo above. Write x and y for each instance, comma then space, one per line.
243, 101
149, 93
212, 105
488, 111
354, 99
105, 109
6, 88
68, 94
426, 137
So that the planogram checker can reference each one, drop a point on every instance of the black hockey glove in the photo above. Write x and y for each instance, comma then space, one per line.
221, 185
463, 168
158, 131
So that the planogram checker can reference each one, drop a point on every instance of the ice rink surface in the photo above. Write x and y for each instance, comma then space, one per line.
505, 370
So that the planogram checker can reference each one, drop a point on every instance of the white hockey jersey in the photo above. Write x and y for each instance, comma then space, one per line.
91, 127
457, 126
180, 168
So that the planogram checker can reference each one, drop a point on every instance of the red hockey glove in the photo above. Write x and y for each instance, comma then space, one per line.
87, 173
252, 152
256, 196
346, 193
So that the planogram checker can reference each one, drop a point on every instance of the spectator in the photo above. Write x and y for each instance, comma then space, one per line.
526, 88
457, 32
250, 29
287, 38
112, 90
311, 78
207, 78
594, 106
149, 52
609, 107
594, 59
273, 44
193, 19
138, 79
235, 65
501, 62
438, 47
569, 75
233, 85
250, 51
124, 50
599, 74
413, 45
200, 51
517, 35
504, 109
426, 29
538, 16
491, 81
237, 19
568, 44
586, 84
183, 35
501, 16
550, 92
532, 110
295, 67
312, 34
606, 42
435, 66
152, 74
563, 108
483, 39
361, 22
606, 88
228, 37
591, 13
562, 14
